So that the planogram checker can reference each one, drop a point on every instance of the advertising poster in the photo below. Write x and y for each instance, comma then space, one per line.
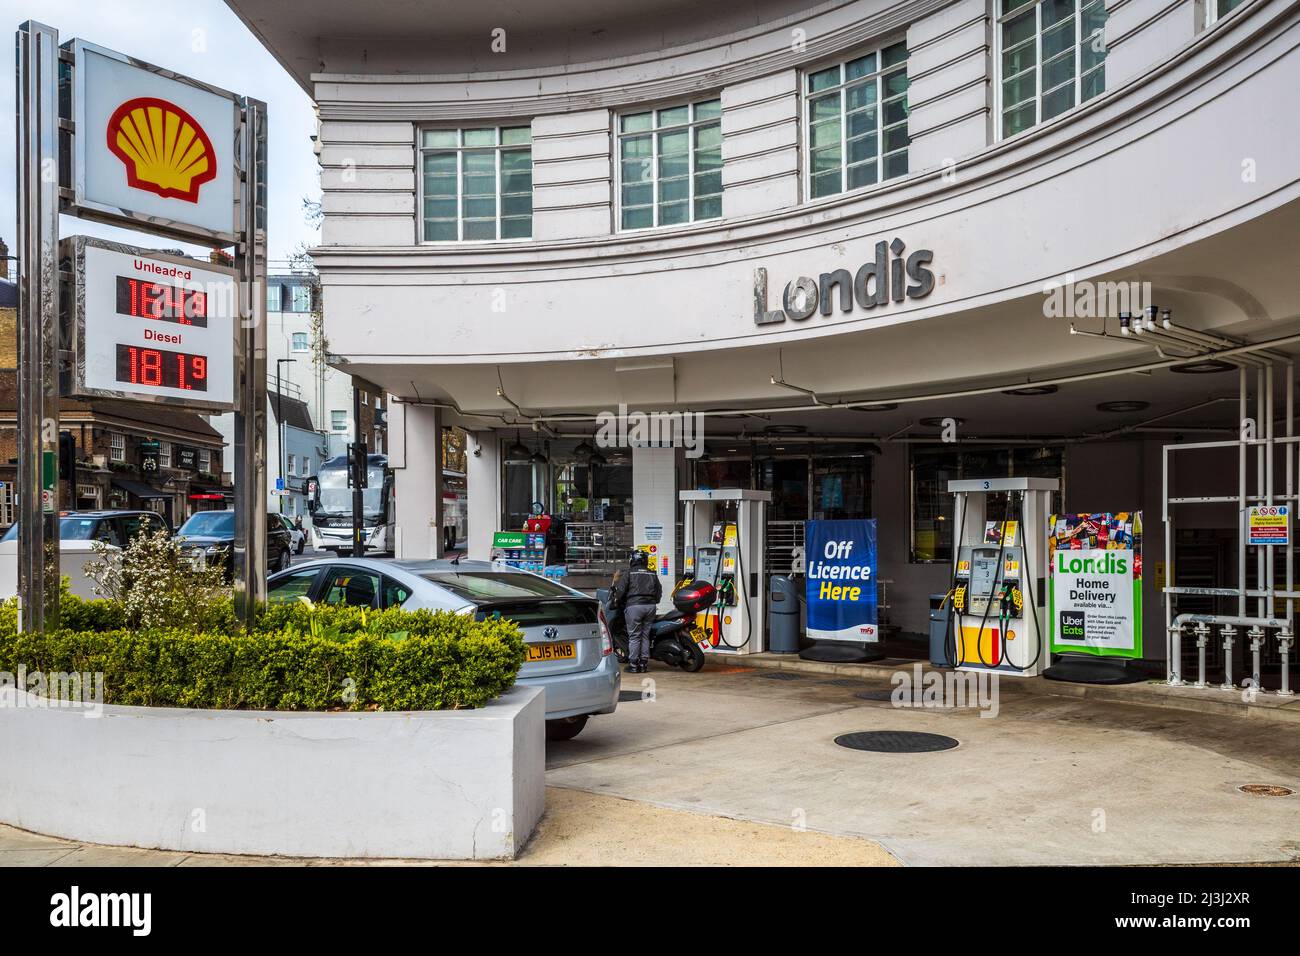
840, 580
1095, 604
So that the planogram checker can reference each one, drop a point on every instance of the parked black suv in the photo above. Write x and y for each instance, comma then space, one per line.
111, 527
211, 534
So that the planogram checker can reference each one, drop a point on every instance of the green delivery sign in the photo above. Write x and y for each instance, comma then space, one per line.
1095, 604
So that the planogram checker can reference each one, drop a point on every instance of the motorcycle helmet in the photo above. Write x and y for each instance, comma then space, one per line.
638, 560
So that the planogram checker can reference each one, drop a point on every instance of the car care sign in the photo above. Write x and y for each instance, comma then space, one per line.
1095, 604
840, 580
154, 147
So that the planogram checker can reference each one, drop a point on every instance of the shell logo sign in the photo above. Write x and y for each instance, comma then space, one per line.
163, 148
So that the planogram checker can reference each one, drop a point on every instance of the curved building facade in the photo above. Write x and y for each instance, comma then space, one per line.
868, 247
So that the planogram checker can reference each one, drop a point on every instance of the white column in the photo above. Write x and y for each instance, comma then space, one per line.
483, 481
654, 503
415, 433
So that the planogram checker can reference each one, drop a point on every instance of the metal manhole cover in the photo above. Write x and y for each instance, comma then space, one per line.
779, 676
1265, 790
896, 742
918, 699
627, 696
843, 682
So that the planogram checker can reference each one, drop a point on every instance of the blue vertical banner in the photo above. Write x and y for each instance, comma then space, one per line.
840, 583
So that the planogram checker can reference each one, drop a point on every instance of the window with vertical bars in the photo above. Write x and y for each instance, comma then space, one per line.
1052, 57
856, 118
670, 165
477, 183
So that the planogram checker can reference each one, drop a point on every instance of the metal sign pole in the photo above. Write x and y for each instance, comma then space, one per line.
250, 415
38, 324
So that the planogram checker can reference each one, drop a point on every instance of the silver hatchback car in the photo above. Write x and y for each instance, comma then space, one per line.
570, 650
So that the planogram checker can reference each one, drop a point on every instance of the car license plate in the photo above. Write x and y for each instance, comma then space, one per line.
564, 650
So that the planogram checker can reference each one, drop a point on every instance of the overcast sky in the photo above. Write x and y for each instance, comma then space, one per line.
200, 38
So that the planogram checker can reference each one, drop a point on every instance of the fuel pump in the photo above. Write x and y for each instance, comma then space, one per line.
998, 591
723, 532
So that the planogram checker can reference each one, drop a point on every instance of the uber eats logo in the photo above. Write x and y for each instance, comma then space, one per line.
889, 277
1072, 625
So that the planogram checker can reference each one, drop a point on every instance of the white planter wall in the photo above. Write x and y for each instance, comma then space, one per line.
426, 784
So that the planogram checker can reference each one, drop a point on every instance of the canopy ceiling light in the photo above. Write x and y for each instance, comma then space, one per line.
1124, 405
938, 421
1033, 390
518, 452
1206, 367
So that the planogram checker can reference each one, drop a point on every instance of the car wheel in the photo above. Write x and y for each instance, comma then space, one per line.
283, 562
566, 728
302, 546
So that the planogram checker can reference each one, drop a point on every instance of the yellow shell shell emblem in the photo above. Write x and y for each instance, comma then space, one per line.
164, 149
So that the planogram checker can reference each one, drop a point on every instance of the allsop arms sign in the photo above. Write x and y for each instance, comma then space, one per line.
889, 277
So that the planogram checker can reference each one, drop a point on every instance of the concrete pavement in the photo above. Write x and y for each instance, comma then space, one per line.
738, 765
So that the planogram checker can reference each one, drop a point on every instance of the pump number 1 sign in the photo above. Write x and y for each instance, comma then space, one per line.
152, 327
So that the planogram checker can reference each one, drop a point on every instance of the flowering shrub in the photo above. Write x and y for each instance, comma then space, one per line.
158, 586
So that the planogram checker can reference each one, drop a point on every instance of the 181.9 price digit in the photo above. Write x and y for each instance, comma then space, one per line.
162, 368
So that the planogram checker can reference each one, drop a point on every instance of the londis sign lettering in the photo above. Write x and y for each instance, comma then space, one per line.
890, 276
153, 150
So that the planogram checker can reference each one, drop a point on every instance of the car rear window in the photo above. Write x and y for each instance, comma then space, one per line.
480, 586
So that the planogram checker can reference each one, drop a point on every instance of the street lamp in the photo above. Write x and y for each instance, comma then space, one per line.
279, 419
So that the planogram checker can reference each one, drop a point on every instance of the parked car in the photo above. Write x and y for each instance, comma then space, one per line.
78, 533
570, 649
210, 535
297, 536
111, 527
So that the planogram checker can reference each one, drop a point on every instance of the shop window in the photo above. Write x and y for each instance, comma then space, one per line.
477, 183
670, 165
116, 447
932, 502
724, 473
856, 114
1051, 57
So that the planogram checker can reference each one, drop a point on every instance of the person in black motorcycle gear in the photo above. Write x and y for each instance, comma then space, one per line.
636, 594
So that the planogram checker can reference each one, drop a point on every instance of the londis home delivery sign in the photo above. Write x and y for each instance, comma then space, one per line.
1096, 584
153, 148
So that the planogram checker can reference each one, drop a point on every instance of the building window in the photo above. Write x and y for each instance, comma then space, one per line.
205, 460
88, 497
932, 503
339, 420
306, 464
477, 183
164, 454
300, 297
273, 298
857, 122
1216, 10
116, 447
670, 165
7, 516
289, 463
1052, 56
301, 342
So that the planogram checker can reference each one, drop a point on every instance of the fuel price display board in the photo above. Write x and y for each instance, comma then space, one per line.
151, 326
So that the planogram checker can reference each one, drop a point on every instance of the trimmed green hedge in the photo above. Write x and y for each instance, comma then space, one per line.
296, 658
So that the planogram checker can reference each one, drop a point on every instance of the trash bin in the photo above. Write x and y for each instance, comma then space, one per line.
783, 603
938, 631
